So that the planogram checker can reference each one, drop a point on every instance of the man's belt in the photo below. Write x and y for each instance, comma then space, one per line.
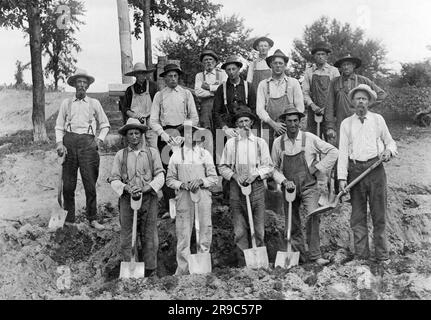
366, 161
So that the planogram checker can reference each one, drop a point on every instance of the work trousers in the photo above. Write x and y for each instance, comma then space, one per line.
146, 229
238, 206
184, 222
371, 189
82, 153
206, 113
309, 198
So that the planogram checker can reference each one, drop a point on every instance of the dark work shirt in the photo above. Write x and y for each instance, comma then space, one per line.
138, 89
235, 97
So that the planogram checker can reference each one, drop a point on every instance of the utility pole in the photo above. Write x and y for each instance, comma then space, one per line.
125, 40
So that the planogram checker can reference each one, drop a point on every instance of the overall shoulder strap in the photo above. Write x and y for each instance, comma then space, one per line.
161, 105
282, 145
186, 104
150, 160
124, 175
267, 92
246, 91
304, 138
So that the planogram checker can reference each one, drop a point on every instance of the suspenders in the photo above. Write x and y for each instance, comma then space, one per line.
124, 175
283, 147
268, 92
235, 156
186, 105
91, 115
217, 75
225, 93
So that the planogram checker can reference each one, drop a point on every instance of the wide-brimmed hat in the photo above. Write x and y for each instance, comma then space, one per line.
194, 129
132, 123
243, 111
366, 88
321, 46
208, 52
171, 67
139, 67
348, 57
290, 111
79, 73
232, 59
277, 53
256, 42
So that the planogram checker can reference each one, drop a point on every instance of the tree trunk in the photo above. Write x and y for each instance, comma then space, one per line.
125, 40
38, 115
147, 34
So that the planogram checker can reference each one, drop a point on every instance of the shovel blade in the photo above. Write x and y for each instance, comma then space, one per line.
58, 217
200, 263
322, 210
256, 258
132, 270
286, 260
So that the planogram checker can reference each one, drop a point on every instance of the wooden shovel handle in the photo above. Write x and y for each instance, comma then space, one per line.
362, 175
250, 221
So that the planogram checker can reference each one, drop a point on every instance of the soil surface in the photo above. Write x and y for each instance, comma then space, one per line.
80, 263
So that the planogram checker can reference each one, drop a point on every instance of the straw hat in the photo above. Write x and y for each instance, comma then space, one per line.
366, 88
139, 67
256, 42
79, 73
132, 123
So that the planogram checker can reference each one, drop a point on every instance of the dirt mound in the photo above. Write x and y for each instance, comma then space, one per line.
80, 263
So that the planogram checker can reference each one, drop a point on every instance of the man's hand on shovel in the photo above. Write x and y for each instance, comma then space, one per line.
289, 185
194, 185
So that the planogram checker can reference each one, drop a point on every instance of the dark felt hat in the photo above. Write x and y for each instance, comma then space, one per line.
354, 60
321, 46
243, 111
232, 59
171, 67
256, 42
277, 53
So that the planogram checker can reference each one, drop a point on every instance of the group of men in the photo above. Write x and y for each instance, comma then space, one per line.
270, 124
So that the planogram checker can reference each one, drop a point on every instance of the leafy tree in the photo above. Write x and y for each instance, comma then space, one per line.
224, 35
416, 74
166, 15
26, 15
19, 76
343, 39
58, 38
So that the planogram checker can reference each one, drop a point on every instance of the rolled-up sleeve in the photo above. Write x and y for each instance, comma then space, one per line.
276, 155
266, 167
60, 123
298, 97
172, 174
155, 115
343, 152
261, 102
102, 119
211, 178
158, 171
226, 161
115, 177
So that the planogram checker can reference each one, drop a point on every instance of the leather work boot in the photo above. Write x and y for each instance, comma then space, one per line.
96, 225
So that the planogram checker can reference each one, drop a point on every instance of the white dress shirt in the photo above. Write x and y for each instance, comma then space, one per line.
363, 141
211, 79
247, 160
80, 112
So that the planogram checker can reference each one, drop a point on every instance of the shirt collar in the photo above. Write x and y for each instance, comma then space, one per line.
213, 71
176, 89
241, 83
325, 66
298, 137
251, 137
83, 99
141, 149
285, 77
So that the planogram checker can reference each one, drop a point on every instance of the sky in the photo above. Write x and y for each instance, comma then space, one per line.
403, 27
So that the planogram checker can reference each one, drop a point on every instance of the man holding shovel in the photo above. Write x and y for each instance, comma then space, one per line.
191, 170
75, 134
364, 138
246, 161
294, 155
137, 170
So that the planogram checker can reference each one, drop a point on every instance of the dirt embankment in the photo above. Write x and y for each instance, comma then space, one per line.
36, 264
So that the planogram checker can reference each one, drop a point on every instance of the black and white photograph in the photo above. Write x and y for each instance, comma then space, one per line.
219, 152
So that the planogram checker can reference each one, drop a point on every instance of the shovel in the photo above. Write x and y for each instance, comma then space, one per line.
58, 217
255, 257
200, 262
133, 269
318, 120
289, 258
324, 197
335, 203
